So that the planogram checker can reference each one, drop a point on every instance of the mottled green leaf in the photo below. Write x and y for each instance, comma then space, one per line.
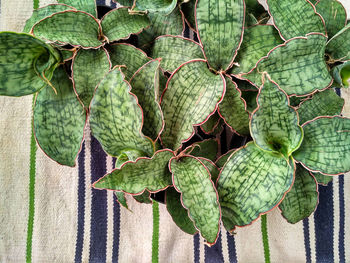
120, 24
134, 177
258, 41
252, 182
209, 126
121, 199
88, 6
325, 103
198, 195
59, 120
126, 2
295, 18
128, 55
128, 155
275, 124
70, 27
144, 198
116, 117
66, 54
220, 162
145, 85
338, 47
341, 75
88, 69
43, 12
233, 109
298, 66
220, 28
322, 179
188, 9
164, 7
175, 51
326, 146
26, 63
295, 101
334, 15
207, 149
244, 85
213, 169
189, 100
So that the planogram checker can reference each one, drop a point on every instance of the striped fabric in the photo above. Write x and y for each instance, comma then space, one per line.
50, 213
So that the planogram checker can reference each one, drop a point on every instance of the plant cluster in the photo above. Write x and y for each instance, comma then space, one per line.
267, 75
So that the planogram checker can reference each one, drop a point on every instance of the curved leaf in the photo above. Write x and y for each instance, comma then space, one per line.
121, 199
220, 162
116, 117
120, 24
70, 27
251, 183
338, 46
302, 199
210, 125
322, 179
144, 198
341, 75
59, 120
164, 7
326, 146
198, 195
188, 9
207, 149
25, 63
88, 6
150, 174
254, 7
220, 27
212, 168
191, 96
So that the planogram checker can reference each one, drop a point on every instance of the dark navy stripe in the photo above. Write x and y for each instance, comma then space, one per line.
324, 225
113, 5
214, 254
196, 248
187, 31
231, 248
341, 220
98, 229
116, 226
337, 90
100, 2
307, 240
81, 205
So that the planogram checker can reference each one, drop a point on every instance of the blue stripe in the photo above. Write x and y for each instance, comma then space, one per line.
98, 229
231, 243
341, 220
214, 253
307, 240
116, 226
324, 225
196, 248
81, 205
100, 2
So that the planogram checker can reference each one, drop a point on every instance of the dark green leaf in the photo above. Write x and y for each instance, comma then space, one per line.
144, 198
88, 6
209, 126
207, 149
322, 179
341, 75
164, 7
338, 47
121, 199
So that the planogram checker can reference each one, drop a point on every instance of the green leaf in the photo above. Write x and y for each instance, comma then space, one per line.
220, 28
120, 24
302, 199
144, 198
298, 65
121, 199
207, 149
295, 18
334, 15
89, 66
26, 64
220, 162
258, 41
164, 7
128, 155
88, 6
70, 27
249, 96
341, 75
233, 109
116, 117
145, 85
325, 103
59, 120
326, 146
178, 213
198, 195
126, 2
275, 124
175, 51
128, 55
254, 7
188, 9
209, 126
66, 54
322, 179
43, 12
338, 47
212, 168
151, 174
251, 183
189, 100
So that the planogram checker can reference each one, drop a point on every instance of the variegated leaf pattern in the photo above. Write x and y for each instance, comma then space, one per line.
341, 75
120, 24
128, 3
258, 41
233, 109
322, 179
325, 103
326, 146
334, 15
207, 149
121, 199
295, 18
144, 198
192, 94
220, 28
59, 120
213, 169
145, 85
298, 66
301, 201
178, 213
116, 117
86, 62
129, 56
134, 177
175, 51
25, 63
164, 7
275, 124
88, 6
338, 47
252, 182
66, 54
198, 195
220, 162
70, 27
210, 125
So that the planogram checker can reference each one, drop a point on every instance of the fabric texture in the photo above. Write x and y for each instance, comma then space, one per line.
50, 213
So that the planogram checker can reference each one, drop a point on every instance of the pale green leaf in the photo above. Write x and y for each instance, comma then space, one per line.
121, 199
212, 168
88, 6
338, 47
210, 125
220, 162
164, 7
322, 179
